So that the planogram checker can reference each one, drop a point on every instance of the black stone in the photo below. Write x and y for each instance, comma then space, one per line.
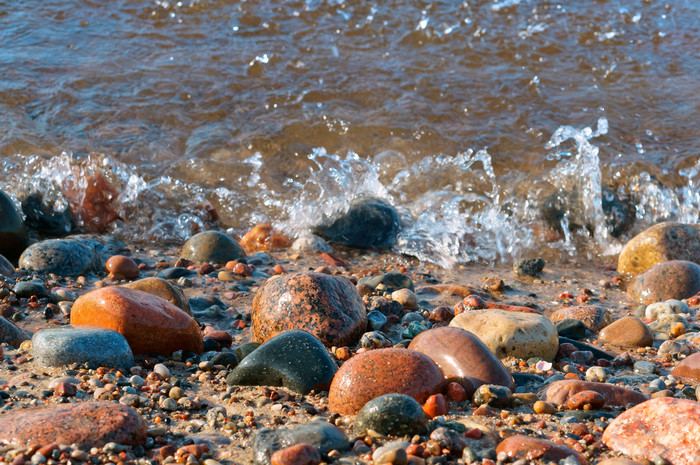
523, 379
44, 219
572, 328
210, 345
201, 303
391, 281
368, 224
227, 359
175, 273
26, 289
63, 257
597, 353
295, 359
13, 234
529, 266
391, 414
320, 434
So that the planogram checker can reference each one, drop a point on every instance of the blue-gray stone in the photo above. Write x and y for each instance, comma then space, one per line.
104, 245
10, 333
413, 329
211, 246
26, 289
320, 434
644, 366
572, 328
392, 281
633, 379
81, 344
376, 320
395, 414
597, 353
63, 257
174, 273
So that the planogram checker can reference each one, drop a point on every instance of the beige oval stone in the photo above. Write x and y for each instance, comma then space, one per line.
627, 332
660, 243
164, 289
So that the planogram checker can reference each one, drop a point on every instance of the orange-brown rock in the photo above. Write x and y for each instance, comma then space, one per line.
669, 280
121, 267
559, 392
149, 324
689, 368
627, 332
94, 200
383, 371
162, 288
524, 447
660, 243
298, 454
594, 317
262, 238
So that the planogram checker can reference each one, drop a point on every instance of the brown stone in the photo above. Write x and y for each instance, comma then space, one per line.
383, 371
149, 324
586, 400
163, 289
595, 318
460, 354
298, 454
329, 307
89, 424
94, 201
559, 392
121, 267
669, 280
665, 426
524, 447
627, 332
689, 368
10, 334
660, 243
263, 238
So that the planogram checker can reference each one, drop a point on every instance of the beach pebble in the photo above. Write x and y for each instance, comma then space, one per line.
13, 234
528, 266
319, 434
298, 454
329, 307
393, 452
98, 347
262, 238
391, 414
11, 334
669, 280
383, 371
511, 334
391, 282
544, 407
618, 461
670, 307
559, 392
460, 354
524, 447
596, 374
571, 328
674, 347
493, 396
42, 217
63, 257
376, 320
660, 243
585, 400
664, 426
627, 332
296, 360
121, 267
368, 224
310, 243
104, 244
406, 298
150, 324
594, 317
448, 439
374, 340
27, 289
89, 424
6, 268
387, 307
688, 368
211, 246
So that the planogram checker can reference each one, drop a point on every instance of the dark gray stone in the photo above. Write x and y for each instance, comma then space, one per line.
597, 353
6, 268
63, 257
386, 306
572, 328
448, 439
295, 359
13, 234
202, 303
368, 224
175, 273
26, 289
638, 380
243, 350
376, 320
392, 281
211, 246
10, 333
44, 219
529, 266
97, 347
395, 414
320, 434
227, 359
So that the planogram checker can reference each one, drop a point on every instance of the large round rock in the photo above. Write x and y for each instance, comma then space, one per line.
383, 371
660, 243
63, 257
98, 347
329, 307
368, 224
13, 235
211, 246
595, 318
669, 280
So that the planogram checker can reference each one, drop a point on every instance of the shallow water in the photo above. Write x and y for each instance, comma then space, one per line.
466, 116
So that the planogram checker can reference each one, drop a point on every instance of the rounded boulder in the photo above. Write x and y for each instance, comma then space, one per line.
676, 279
211, 246
660, 243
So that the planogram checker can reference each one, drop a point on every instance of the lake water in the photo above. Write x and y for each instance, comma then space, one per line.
499, 129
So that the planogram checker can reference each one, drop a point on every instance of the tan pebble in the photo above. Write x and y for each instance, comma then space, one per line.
544, 407
526, 398
176, 393
225, 276
406, 298
677, 329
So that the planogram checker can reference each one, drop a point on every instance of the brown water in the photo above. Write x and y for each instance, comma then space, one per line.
285, 111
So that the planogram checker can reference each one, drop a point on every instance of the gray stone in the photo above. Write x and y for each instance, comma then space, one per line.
63, 257
391, 281
6, 268
211, 246
81, 344
529, 266
376, 320
374, 340
448, 439
644, 366
13, 234
391, 414
104, 245
10, 333
26, 289
320, 434
572, 328
311, 243
669, 307
633, 379
393, 452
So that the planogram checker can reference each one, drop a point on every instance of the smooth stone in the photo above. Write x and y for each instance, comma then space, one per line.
391, 281
204, 302
98, 347
374, 340
243, 350
660, 243
368, 224
618, 461
44, 219
329, 307
6, 268
298, 454
377, 372
669, 307
27, 289
559, 392
263, 237
524, 447
688, 368
413, 329
226, 359
13, 234
664, 426
406, 297
528, 266
319, 434
63, 257
665, 322
11, 334
163, 289
572, 328
493, 396
311, 243
391, 414
627, 332
88, 424
150, 324
595, 318
393, 452
597, 353
296, 360
511, 334
175, 272
669, 280
460, 354
387, 307
211, 246
122, 267
376, 320
674, 347
632, 379
104, 244
645, 366
448, 439
586, 400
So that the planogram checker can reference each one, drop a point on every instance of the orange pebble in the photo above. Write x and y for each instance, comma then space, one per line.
277, 269
263, 238
436, 405
121, 267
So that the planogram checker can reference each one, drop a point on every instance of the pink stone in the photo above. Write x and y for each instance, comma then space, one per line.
689, 368
559, 392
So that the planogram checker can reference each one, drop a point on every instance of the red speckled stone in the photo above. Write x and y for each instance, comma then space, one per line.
559, 392
579, 400
689, 368
676, 279
595, 318
91, 424
329, 307
121, 267
298, 454
460, 354
149, 324
664, 426
383, 371
524, 447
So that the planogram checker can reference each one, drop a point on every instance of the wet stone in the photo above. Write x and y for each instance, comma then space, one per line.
597, 353
669, 280
386, 306
311, 244
211, 247
26, 289
627, 332
595, 318
559, 392
674, 347
104, 244
390, 281
572, 328
413, 329
98, 347
393, 452
368, 224
529, 266
448, 439
10, 334
64, 257
660, 243
524, 447
644, 366
688, 368
121, 267
13, 234
374, 340
493, 396
243, 350
391, 414
319, 434
295, 360
298, 454
376, 320
44, 219
163, 289
226, 359
175, 273
6, 268
586, 400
